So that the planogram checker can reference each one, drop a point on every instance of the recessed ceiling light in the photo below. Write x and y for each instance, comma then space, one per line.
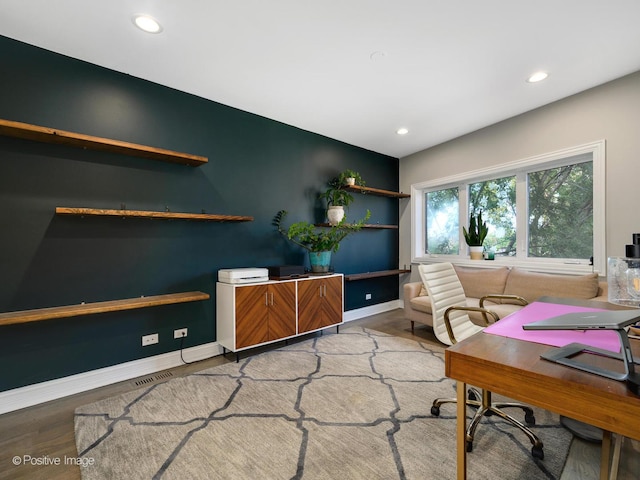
402, 131
537, 77
147, 23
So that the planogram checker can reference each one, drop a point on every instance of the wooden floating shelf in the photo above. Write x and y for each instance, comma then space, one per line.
375, 191
100, 212
377, 225
50, 313
366, 225
50, 135
381, 273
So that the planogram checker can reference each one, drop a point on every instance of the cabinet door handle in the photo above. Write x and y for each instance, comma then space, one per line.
271, 298
266, 299
325, 289
320, 288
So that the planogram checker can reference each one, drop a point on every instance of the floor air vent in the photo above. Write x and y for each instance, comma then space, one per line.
155, 378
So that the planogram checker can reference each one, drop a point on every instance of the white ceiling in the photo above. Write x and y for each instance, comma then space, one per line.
354, 70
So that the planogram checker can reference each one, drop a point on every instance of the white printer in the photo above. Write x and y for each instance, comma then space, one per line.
243, 275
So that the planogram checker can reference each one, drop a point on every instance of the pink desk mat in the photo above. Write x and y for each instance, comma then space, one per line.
511, 327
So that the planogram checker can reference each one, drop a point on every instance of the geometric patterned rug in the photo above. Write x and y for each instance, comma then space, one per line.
353, 405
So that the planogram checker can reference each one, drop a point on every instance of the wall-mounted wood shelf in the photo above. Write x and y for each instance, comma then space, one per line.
202, 217
366, 225
381, 273
50, 135
375, 191
39, 314
382, 193
380, 226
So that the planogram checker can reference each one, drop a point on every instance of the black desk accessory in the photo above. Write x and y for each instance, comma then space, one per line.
600, 320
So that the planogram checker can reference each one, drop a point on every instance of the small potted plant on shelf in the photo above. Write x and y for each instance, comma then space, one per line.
351, 177
320, 242
475, 235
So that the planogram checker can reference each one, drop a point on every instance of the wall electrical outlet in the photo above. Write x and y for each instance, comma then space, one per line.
367, 296
149, 339
180, 333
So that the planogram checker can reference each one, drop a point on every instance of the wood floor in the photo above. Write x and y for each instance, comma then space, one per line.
45, 432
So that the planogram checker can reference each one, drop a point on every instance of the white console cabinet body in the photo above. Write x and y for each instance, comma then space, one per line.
253, 314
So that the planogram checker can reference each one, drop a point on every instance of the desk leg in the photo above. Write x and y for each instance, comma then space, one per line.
604, 456
615, 462
461, 430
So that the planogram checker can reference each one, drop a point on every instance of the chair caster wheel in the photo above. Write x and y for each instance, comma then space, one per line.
469, 446
537, 452
529, 418
435, 411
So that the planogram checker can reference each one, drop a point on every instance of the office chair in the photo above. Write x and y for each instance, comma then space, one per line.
451, 323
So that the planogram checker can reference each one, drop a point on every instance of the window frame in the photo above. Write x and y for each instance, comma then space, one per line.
519, 167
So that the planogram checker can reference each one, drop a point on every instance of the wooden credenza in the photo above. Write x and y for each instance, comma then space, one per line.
248, 315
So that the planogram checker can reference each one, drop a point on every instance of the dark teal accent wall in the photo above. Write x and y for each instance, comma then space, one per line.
256, 167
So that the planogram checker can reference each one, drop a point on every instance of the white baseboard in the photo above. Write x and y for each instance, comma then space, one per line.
30, 395
372, 310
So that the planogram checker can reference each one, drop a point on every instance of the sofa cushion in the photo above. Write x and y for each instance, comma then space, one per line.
533, 285
479, 282
421, 303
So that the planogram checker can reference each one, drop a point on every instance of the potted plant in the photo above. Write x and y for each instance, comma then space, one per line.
320, 242
337, 197
351, 177
475, 235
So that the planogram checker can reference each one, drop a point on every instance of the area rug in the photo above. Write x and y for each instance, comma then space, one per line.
348, 405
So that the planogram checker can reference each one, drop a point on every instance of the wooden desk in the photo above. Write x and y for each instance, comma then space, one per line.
514, 368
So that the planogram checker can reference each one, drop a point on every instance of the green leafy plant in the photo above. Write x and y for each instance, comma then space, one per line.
477, 232
317, 239
335, 195
348, 173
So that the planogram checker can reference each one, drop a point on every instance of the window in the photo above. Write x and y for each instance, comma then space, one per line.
443, 224
496, 199
561, 201
545, 212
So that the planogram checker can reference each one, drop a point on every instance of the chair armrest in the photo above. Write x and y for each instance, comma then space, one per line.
484, 311
499, 296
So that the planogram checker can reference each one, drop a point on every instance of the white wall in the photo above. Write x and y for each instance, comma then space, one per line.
610, 112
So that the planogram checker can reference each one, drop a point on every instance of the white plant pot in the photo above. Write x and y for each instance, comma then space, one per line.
335, 214
350, 181
476, 252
